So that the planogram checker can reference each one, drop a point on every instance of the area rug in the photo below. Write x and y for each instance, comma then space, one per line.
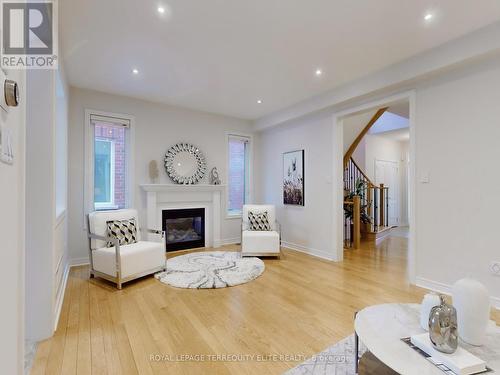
338, 359
211, 269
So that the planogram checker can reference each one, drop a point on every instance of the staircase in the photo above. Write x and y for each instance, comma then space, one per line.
365, 203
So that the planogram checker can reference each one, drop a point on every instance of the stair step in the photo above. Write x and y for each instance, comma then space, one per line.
378, 235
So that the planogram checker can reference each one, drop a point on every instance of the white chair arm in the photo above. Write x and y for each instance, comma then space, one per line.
278, 228
113, 240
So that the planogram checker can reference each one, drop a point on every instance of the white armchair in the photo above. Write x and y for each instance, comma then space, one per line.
122, 263
260, 243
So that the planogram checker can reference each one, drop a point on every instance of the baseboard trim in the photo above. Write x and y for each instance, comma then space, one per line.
308, 250
230, 241
440, 287
60, 294
79, 262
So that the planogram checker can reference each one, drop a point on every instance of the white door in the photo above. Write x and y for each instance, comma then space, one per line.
387, 173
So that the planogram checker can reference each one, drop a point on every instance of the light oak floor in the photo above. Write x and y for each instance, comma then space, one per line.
298, 307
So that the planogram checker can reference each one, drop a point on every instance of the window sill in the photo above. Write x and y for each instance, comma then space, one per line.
106, 208
233, 216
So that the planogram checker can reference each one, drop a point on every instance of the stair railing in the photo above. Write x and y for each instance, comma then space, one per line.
373, 200
352, 224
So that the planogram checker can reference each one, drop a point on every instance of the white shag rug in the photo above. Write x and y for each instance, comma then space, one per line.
338, 359
211, 269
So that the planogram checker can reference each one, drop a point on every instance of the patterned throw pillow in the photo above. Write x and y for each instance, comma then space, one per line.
124, 230
259, 221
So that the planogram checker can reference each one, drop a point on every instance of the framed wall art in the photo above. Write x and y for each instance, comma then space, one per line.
293, 178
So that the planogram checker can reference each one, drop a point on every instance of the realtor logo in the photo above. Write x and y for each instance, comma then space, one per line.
28, 35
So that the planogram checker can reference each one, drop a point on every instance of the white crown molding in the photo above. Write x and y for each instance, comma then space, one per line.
397, 77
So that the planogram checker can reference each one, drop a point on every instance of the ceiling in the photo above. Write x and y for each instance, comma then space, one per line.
222, 56
401, 108
400, 135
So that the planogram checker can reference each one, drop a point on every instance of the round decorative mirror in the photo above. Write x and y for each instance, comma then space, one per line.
185, 164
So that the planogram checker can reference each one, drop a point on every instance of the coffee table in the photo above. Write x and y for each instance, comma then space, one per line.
381, 327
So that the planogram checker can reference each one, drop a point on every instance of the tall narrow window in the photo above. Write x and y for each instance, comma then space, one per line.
238, 174
110, 162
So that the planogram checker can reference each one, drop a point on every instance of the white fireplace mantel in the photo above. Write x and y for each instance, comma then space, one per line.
169, 196
182, 188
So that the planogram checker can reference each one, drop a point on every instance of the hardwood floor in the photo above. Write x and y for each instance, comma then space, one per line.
298, 307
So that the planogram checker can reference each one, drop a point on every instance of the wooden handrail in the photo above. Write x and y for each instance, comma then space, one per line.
360, 136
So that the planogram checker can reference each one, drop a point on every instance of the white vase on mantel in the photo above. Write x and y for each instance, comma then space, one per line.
430, 300
472, 301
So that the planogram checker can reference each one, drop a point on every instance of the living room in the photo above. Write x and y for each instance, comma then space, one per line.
203, 188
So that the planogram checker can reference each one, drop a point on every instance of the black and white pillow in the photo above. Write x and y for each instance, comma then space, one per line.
258, 221
124, 230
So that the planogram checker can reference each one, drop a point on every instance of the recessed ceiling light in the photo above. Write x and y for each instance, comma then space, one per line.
318, 72
161, 10
428, 16
135, 71
259, 101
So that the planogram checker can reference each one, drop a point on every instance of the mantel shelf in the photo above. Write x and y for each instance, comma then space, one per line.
179, 187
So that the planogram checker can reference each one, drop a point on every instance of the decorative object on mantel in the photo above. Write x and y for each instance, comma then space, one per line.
430, 300
210, 270
153, 171
185, 163
214, 176
443, 327
472, 301
293, 178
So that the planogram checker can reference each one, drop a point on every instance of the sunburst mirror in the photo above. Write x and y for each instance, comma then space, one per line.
185, 164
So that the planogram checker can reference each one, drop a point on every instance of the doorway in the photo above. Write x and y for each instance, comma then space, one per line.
392, 169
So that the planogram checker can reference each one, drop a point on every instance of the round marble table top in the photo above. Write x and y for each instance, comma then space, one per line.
381, 328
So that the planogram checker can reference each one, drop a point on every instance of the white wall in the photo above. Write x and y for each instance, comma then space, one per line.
353, 125
457, 141
378, 147
40, 202
158, 127
456, 135
305, 228
46, 200
60, 247
12, 187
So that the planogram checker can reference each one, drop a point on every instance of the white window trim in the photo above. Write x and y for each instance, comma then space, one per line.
111, 204
249, 192
88, 194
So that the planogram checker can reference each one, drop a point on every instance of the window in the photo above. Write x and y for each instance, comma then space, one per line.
104, 172
108, 160
238, 173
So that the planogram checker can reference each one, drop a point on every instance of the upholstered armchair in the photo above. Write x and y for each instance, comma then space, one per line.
117, 262
260, 242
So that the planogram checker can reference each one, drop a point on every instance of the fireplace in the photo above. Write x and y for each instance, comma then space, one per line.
185, 228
